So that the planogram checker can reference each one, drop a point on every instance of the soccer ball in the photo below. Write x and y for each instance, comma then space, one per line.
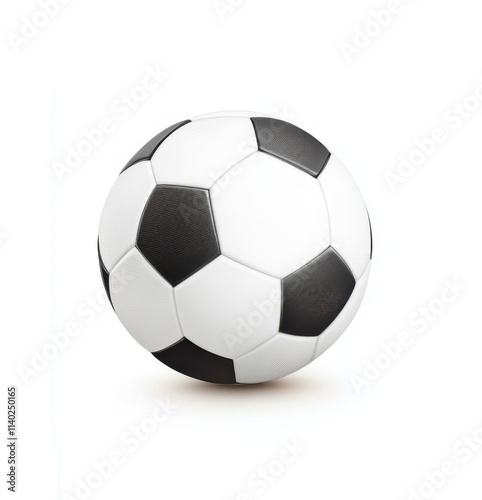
235, 248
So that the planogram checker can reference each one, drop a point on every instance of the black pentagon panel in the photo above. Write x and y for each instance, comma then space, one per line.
104, 273
177, 234
146, 152
190, 359
315, 294
291, 144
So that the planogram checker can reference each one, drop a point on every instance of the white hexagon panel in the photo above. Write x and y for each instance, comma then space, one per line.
279, 213
235, 248
228, 308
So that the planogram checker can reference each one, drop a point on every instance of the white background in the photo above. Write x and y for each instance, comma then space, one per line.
283, 58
